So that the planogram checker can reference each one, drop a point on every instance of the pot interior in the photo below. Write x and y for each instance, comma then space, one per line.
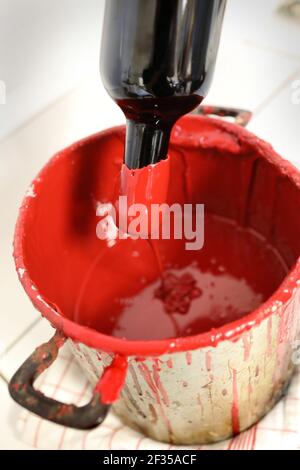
251, 235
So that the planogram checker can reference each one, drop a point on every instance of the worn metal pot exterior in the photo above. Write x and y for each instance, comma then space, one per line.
207, 394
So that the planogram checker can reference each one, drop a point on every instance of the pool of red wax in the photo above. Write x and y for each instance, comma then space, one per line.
250, 236
191, 293
231, 275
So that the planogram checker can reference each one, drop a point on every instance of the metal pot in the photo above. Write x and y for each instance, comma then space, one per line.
190, 390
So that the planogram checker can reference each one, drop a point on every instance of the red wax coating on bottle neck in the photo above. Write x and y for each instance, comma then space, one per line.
146, 185
142, 188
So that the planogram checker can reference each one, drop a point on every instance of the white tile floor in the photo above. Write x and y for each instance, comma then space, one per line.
258, 61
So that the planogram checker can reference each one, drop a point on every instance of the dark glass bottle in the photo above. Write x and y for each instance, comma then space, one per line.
157, 62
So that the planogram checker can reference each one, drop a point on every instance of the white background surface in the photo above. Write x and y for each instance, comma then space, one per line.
49, 60
46, 48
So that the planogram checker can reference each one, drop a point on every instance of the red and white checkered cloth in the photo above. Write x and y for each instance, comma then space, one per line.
280, 429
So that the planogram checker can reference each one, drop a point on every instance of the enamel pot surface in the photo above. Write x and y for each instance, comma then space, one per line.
182, 390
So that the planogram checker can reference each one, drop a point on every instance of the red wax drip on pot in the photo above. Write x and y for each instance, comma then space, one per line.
112, 380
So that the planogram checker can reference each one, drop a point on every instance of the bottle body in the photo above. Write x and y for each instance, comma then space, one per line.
157, 62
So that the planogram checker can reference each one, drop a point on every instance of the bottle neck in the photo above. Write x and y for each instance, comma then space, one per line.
146, 143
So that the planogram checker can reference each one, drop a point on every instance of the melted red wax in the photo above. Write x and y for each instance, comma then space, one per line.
231, 276
110, 285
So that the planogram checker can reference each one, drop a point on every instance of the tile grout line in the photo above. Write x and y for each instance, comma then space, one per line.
273, 50
3, 379
275, 92
19, 338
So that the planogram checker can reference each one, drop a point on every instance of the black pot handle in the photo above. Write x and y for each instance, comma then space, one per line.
22, 391
241, 116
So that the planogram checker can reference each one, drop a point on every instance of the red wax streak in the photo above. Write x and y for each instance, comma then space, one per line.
135, 380
159, 386
208, 361
201, 404
170, 363
250, 388
157, 363
247, 345
154, 384
188, 357
235, 404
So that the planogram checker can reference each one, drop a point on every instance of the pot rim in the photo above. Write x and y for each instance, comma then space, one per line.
230, 331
